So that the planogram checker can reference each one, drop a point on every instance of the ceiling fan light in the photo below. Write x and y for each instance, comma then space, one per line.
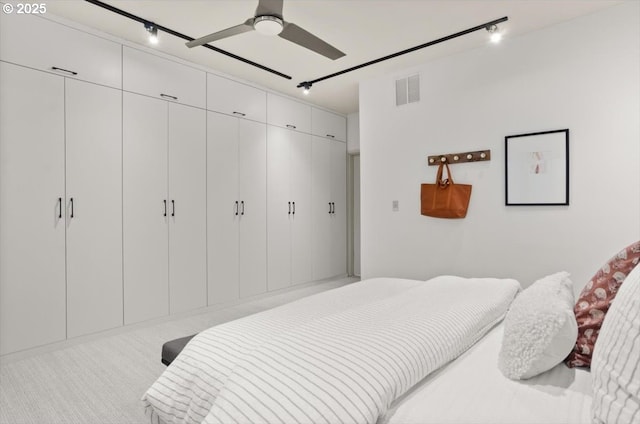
268, 25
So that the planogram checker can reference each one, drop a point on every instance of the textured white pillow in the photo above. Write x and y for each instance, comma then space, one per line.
540, 328
615, 367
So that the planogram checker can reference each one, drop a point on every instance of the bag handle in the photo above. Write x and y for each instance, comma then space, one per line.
449, 180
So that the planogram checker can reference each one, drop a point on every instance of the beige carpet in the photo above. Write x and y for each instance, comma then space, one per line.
102, 381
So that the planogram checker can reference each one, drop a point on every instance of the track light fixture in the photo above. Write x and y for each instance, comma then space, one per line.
306, 87
153, 32
496, 35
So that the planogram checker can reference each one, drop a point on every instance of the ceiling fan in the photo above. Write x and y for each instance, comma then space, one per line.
268, 20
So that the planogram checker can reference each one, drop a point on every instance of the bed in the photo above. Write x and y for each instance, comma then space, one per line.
471, 390
340, 356
393, 351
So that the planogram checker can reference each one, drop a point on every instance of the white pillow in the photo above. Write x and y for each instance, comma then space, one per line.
615, 367
540, 328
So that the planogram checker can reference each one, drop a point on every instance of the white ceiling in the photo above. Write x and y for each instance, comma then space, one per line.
363, 29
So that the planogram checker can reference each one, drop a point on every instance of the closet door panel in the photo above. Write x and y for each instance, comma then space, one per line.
32, 270
94, 207
236, 99
39, 43
321, 198
145, 220
339, 217
222, 211
252, 145
287, 113
278, 209
158, 77
300, 178
187, 209
329, 125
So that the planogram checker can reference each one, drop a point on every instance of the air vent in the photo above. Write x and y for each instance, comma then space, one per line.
408, 90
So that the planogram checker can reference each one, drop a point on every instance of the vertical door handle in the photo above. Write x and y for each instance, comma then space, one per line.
294, 208
242, 204
59, 207
71, 200
289, 208
236, 208
165, 207
173, 208
329, 207
333, 207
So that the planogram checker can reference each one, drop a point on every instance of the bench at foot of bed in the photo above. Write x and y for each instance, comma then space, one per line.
172, 348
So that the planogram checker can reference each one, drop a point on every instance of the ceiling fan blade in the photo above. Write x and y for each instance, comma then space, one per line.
269, 7
234, 30
301, 37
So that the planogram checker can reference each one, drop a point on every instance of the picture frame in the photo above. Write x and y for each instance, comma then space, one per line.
537, 169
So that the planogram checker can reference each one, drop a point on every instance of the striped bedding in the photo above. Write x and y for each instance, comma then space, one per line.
342, 356
185, 392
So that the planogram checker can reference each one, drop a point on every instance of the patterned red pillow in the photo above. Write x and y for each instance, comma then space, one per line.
594, 301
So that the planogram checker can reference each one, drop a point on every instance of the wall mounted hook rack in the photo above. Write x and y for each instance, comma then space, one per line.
452, 158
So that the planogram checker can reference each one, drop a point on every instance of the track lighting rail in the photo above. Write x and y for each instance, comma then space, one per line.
487, 25
146, 23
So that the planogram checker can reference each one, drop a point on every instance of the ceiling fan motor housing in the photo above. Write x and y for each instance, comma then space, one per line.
268, 24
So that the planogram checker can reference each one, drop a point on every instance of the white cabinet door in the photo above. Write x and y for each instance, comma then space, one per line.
301, 218
32, 219
278, 208
237, 221
188, 208
222, 208
39, 43
327, 124
289, 207
252, 192
287, 113
155, 76
321, 205
94, 207
145, 208
236, 99
339, 215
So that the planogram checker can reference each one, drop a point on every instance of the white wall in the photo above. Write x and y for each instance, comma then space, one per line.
353, 133
583, 75
356, 215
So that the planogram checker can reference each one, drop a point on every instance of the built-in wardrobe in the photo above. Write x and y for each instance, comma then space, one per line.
135, 186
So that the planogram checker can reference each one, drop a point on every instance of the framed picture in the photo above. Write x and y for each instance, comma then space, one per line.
537, 168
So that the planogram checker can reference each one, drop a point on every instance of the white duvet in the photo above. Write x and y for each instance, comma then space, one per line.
472, 390
342, 356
